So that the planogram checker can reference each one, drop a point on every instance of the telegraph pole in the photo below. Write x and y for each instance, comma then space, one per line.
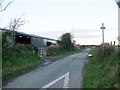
103, 38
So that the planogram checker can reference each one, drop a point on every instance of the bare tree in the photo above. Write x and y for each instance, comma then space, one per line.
2, 7
14, 25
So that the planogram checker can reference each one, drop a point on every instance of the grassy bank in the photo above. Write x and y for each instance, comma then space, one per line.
102, 74
17, 60
58, 52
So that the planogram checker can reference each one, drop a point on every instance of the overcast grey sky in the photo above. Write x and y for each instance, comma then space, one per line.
52, 18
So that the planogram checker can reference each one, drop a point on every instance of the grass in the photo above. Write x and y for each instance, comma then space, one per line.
102, 74
17, 60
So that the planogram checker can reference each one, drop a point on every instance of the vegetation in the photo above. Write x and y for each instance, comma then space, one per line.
18, 59
103, 73
57, 52
108, 50
64, 46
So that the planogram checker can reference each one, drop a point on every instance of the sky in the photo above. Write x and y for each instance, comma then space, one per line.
52, 18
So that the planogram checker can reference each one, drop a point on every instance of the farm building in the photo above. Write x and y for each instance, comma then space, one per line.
40, 42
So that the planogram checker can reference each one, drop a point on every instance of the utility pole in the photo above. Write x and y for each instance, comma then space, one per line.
103, 38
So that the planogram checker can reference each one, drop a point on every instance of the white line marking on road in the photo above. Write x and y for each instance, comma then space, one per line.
66, 81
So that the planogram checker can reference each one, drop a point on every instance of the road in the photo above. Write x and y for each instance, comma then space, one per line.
64, 73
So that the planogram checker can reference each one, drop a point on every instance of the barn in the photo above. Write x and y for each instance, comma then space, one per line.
40, 42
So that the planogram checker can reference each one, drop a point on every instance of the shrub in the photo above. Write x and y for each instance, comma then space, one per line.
26, 47
53, 49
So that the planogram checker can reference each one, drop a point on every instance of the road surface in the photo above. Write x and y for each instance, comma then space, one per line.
64, 73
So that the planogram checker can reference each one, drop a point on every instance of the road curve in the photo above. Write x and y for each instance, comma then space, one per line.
64, 73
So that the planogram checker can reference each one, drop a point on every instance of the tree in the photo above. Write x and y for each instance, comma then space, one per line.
66, 42
16, 23
4, 7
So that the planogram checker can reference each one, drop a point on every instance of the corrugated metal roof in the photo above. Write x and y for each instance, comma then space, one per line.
30, 35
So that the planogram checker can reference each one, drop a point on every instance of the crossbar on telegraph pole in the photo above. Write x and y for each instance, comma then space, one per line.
103, 39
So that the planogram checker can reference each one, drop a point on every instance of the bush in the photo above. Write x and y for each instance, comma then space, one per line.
56, 50
26, 47
53, 50
66, 43
103, 74
108, 50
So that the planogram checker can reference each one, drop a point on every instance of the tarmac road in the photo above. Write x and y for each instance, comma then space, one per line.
64, 73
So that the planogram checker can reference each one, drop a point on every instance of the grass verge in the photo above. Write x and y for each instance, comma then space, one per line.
102, 74
16, 60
